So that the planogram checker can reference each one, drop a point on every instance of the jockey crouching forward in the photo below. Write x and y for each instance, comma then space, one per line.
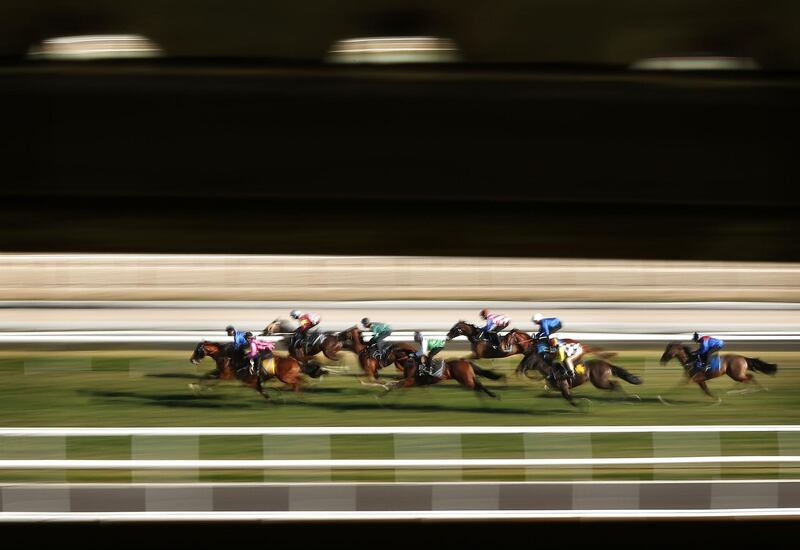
547, 326
702, 354
427, 350
257, 351
565, 354
237, 347
494, 323
379, 333
307, 321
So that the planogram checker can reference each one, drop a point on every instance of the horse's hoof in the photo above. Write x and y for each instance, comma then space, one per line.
663, 401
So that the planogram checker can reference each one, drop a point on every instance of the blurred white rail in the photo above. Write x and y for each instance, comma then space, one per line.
424, 515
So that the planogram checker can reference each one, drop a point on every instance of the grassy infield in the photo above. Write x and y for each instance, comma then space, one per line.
119, 388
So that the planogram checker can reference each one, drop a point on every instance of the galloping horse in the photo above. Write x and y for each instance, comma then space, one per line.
329, 343
285, 369
399, 353
596, 371
735, 366
460, 370
520, 342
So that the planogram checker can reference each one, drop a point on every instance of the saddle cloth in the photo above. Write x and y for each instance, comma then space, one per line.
268, 366
573, 348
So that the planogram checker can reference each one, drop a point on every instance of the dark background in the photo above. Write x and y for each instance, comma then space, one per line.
743, 533
250, 157
540, 143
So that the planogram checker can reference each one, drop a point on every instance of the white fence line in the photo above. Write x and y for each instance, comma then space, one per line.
417, 515
381, 430
439, 463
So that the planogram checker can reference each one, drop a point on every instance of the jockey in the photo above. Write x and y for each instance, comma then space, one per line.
547, 326
494, 323
560, 354
425, 360
379, 331
258, 349
239, 342
307, 321
702, 354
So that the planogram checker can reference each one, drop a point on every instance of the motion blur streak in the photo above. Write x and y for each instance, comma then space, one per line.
701, 63
96, 47
350, 277
410, 49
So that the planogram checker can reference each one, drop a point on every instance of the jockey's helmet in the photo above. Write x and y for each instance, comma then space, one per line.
484, 313
696, 337
230, 328
294, 314
537, 317
365, 321
248, 335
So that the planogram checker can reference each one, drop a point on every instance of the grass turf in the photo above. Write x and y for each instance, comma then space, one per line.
118, 388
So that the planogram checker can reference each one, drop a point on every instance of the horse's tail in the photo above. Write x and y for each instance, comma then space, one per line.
625, 375
761, 366
313, 369
491, 375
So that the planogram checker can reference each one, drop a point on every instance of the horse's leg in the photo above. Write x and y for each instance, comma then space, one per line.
260, 387
470, 381
479, 387
701, 381
738, 372
564, 387
402, 383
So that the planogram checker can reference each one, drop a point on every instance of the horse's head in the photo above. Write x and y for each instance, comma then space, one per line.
272, 328
204, 349
351, 336
462, 328
199, 353
674, 349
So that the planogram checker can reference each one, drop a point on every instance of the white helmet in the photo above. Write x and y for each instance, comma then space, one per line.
294, 314
537, 317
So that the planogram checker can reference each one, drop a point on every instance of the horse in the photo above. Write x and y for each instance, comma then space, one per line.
461, 370
286, 369
519, 341
596, 371
542, 347
735, 366
329, 343
399, 353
